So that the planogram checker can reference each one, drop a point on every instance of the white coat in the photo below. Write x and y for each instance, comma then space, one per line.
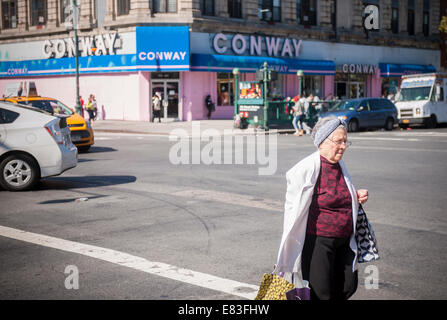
301, 180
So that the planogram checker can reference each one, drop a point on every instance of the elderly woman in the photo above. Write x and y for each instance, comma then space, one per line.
318, 243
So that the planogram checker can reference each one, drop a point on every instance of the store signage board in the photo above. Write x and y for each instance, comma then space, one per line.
358, 68
163, 48
254, 45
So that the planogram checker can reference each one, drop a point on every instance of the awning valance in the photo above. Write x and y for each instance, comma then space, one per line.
249, 64
397, 70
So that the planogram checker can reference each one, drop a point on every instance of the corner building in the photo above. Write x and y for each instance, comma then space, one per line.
184, 50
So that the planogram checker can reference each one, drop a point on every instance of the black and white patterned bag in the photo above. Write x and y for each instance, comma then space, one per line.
366, 239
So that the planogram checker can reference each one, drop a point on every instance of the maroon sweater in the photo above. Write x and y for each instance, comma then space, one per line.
330, 213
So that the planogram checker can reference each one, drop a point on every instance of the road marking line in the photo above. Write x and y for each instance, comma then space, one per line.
240, 289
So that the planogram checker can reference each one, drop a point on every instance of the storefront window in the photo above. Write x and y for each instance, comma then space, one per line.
389, 87
275, 91
313, 85
225, 89
350, 86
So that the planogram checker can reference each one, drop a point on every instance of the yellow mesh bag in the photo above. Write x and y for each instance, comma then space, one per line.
273, 287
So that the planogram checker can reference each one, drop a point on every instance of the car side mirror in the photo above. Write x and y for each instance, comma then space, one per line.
360, 109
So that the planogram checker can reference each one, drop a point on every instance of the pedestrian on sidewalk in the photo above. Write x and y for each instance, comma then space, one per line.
156, 105
209, 105
298, 118
318, 242
95, 107
90, 108
311, 113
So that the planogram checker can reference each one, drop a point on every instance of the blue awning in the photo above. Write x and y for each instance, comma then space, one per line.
397, 70
249, 64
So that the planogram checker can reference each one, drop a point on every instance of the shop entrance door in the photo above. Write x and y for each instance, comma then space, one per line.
356, 90
168, 91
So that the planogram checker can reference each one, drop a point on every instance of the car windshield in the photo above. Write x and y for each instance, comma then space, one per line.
414, 94
344, 105
51, 106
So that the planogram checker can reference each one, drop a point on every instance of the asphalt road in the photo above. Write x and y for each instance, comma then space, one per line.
192, 222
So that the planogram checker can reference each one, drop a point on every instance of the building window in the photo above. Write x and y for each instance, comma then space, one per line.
235, 8
123, 7
9, 14
306, 12
333, 4
225, 89
410, 21
426, 18
207, 7
164, 6
269, 10
395, 16
38, 12
63, 5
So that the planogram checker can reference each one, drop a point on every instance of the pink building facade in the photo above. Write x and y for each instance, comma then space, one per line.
125, 71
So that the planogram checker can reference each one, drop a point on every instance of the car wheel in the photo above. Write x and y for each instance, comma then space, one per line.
19, 172
353, 126
389, 124
431, 122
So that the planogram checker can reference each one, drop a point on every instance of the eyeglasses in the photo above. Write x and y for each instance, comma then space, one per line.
340, 143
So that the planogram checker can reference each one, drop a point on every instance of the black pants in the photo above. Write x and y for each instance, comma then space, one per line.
157, 114
91, 114
327, 265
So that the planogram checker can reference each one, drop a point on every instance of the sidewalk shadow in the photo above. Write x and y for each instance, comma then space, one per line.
64, 183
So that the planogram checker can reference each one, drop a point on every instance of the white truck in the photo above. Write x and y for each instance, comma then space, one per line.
422, 100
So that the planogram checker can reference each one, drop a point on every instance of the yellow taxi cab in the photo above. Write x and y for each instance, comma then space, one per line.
81, 130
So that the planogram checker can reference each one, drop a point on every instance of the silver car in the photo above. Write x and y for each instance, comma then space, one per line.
33, 145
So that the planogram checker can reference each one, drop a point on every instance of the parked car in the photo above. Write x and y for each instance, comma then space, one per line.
81, 130
365, 113
33, 145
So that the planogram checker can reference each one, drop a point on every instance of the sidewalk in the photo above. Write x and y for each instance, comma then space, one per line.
211, 127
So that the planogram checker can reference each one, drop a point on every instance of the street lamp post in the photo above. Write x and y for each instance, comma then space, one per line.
75, 16
236, 91
300, 75
266, 73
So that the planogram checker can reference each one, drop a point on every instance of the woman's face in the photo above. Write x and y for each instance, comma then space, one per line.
334, 146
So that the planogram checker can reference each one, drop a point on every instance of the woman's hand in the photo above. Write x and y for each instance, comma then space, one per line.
362, 195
